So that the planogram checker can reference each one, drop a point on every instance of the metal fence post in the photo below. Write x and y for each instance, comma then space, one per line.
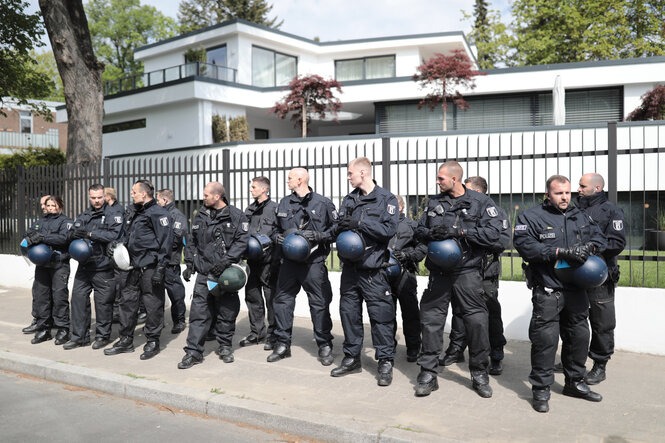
226, 172
106, 172
385, 162
612, 161
20, 200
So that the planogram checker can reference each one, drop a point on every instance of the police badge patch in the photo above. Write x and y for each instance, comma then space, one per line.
505, 224
245, 226
391, 209
177, 225
69, 226
335, 215
164, 221
492, 212
117, 219
520, 228
618, 225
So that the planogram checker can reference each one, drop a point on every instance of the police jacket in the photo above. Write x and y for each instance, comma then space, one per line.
105, 224
405, 241
262, 221
216, 233
377, 217
479, 218
55, 229
148, 236
179, 227
312, 212
609, 218
492, 265
540, 230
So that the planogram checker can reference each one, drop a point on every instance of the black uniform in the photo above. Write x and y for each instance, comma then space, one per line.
311, 212
377, 218
49, 290
172, 281
105, 226
149, 238
263, 275
491, 274
610, 220
477, 216
120, 277
217, 235
405, 288
557, 309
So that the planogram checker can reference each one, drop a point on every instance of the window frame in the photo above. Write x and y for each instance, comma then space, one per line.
29, 118
274, 70
364, 59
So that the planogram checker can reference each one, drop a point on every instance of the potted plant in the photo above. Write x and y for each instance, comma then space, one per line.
655, 238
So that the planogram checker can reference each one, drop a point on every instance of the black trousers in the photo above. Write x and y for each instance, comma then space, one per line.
603, 321
405, 290
50, 296
140, 287
207, 310
119, 284
313, 278
257, 289
470, 303
558, 313
497, 339
85, 282
175, 289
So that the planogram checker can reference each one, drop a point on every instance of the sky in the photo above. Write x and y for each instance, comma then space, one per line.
353, 19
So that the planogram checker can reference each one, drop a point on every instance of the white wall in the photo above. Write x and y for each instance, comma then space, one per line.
638, 329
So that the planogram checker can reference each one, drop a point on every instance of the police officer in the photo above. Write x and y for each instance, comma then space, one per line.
262, 276
172, 281
557, 230
32, 327
609, 217
313, 216
372, 213
491, 274
409, 253
49, 289
111, 198
219, 239
100, 224
149, 239
473, 220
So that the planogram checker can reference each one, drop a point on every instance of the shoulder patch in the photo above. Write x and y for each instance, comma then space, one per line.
245, 226
69, 226
505, 224
335, 215
391, 209
195, 227
117, 219
617, 225
547, 235
492, 212
281, 214
520, 227
164, 221
177, 225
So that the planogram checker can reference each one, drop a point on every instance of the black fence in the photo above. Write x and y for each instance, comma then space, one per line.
516, 164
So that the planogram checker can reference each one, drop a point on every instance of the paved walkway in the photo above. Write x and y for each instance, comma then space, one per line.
298, 396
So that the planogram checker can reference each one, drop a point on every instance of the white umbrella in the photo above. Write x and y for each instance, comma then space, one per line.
558, 103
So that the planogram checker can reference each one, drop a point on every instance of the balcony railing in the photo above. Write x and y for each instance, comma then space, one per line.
158, 77
22, 140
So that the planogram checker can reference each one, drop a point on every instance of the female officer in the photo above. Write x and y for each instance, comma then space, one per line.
49, 289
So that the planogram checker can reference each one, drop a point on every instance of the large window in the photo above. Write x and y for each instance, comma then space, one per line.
123, 126
365, 68
216, 56
270, 68
26, 122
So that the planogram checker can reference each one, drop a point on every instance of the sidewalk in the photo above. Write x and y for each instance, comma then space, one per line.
298, 396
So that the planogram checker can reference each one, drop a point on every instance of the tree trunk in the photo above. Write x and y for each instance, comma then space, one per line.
445, 109
304, 120
81, 74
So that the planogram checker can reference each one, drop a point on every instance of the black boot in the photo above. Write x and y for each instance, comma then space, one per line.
225, 354
496, 367
41, 336
125, 344
481, 383
579, 389
596, 374
385, 372
427, 382
452, 358
541, 397
350, 365
62, 336
149, 350
31, 328
325, 355
281, 351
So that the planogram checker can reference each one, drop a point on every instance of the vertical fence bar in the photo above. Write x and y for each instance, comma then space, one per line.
385, 162
612, 193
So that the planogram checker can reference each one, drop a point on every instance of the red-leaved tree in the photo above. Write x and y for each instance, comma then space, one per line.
442, 75
652, 107
309, 95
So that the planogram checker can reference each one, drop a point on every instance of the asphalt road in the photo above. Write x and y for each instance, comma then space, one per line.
36, 410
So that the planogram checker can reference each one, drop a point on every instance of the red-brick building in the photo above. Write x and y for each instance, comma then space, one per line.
22, 128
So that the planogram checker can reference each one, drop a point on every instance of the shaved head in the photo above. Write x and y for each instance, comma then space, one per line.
215, 188
362, 164
454, 169
591, 183
302, 174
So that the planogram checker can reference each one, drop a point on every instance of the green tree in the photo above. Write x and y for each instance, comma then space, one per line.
197, 14
560, 31
490, 36
118, 27
20, 33
46, 65
32, 157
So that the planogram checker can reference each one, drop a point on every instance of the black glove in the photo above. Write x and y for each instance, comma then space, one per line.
219, 267
34, 237
348, 224
81, 233
279, 239
158, 276
575, 255
187, 273
315, 237
590, 247
400, 256
110, 247
443, 232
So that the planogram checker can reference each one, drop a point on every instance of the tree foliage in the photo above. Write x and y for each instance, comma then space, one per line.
32, 157
309, 95
47, 66
490, 36
652, 107
560, 31
118, 27
443, 76
20, 77
197, 14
